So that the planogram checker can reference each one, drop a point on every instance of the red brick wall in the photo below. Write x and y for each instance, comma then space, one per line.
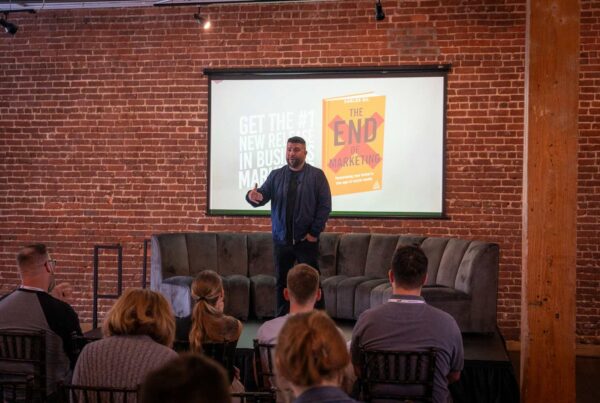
104, 126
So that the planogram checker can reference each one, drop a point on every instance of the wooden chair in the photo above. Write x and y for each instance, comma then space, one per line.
96, 394
264, 365
397, 375
223, 353
254, 397
181, 346
23, 365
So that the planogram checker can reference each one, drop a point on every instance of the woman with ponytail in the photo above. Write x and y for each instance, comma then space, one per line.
208, 323
311, 354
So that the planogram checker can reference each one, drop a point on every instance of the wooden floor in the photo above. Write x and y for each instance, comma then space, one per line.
587, 377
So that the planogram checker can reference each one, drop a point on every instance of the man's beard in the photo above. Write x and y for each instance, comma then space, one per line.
294, 163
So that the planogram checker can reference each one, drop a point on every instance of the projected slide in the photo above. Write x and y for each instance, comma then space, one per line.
379, 138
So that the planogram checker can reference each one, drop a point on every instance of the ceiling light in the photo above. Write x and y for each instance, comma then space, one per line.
379, 14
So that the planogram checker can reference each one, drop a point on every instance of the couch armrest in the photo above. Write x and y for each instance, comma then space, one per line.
478, 277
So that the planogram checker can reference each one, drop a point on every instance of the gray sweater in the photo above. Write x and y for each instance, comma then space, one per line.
120, 361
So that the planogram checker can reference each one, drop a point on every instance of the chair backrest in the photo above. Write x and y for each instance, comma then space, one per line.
181, 346
223, 353
265, 365
397, 375
23, 364
254, 397
96, 394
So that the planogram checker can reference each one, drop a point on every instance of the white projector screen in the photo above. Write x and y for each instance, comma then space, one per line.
378, 134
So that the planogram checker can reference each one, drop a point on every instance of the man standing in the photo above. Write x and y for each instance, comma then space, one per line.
407, 323
300, 205
35, 305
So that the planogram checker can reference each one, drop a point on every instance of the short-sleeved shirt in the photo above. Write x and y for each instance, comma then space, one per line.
407, 323
33, 310
269, 331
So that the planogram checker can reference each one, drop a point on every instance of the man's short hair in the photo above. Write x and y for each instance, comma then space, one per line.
409, 267
302, 283
32, 255
296, 140
189, 378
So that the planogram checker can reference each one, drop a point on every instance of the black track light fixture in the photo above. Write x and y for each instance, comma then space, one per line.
203, 21
379, 14
9, 27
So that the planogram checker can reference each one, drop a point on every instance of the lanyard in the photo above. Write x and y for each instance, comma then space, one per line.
406, 301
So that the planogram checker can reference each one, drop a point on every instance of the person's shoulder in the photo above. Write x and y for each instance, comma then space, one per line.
313, 169
53, 302
442, 318
269, 330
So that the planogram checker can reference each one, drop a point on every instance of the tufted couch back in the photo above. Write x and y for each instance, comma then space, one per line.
462, 274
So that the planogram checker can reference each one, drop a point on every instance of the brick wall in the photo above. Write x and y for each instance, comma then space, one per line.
104, 126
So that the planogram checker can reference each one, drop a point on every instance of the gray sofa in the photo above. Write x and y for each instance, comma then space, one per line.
462, 274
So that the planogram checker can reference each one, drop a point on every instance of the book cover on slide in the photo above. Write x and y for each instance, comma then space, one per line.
353, 127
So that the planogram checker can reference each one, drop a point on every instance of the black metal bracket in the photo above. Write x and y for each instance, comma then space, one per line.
96, 295
145, 263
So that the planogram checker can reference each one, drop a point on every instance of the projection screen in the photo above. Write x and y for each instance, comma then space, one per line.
378, 134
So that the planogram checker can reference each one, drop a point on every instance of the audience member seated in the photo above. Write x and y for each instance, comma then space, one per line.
39, 305
138, 334
311, 354
208, 323
190, 378
407, 323
302, 292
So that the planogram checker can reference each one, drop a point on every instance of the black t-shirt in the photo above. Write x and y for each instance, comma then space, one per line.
290, 204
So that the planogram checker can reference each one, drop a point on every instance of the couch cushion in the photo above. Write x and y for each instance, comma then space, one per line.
232, 254
381, 294
346, 291
330, 289
237, 296
173, 255
434, 250
406, 240
202, 251
362, 296
260, 254
380, 253
328, 249
440, 293
352, 254
453, 255
262, 295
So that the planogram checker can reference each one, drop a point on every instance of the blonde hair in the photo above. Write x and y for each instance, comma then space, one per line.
209, 324
310, 350
141, 312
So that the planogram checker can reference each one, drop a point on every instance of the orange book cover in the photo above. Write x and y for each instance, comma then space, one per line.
353, 127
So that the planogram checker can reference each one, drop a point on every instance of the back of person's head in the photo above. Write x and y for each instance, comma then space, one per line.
189, 378
409, 267
310, 350
32, 257
141, 312
303, 283
208, 320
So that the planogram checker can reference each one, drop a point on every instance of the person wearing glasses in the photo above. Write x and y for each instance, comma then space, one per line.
38, 304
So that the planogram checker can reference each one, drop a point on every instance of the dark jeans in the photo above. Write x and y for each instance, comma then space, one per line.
286, 256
